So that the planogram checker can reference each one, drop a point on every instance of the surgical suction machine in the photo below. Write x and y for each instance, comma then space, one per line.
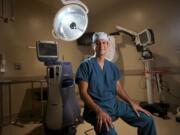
63, 111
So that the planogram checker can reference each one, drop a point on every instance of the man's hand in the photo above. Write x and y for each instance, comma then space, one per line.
103, 118
138, 109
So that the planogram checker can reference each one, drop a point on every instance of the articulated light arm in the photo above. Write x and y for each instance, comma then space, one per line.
65, 2
130, 32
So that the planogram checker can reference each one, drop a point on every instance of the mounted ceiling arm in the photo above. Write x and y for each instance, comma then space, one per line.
142, 40
7, 11
66, 2
12, 11
126, 31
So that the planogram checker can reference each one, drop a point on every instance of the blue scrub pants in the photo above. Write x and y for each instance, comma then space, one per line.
144, 123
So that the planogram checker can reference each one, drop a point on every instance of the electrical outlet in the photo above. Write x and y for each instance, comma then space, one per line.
17, 66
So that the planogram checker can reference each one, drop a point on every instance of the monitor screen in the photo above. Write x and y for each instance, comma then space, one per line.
146, 37
47, 50
143, 37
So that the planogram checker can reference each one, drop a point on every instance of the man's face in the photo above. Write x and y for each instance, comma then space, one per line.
101, 47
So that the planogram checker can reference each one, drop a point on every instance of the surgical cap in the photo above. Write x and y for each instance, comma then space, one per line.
99, 35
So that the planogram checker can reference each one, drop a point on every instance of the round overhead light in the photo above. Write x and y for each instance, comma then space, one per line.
70, 22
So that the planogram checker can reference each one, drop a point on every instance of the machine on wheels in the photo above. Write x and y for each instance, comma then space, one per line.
63, 111
142, 41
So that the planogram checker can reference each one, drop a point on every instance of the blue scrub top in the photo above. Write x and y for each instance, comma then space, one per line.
101, 82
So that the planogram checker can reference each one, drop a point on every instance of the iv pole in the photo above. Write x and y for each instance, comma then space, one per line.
148, 76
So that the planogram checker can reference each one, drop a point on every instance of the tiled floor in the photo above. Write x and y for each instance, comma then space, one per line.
164, 127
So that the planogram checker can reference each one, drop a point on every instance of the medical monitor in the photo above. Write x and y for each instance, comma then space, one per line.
47, 50
146, 37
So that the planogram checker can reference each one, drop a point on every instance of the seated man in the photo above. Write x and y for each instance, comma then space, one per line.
98, 81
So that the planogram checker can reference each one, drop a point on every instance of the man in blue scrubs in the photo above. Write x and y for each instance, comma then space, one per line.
98, 82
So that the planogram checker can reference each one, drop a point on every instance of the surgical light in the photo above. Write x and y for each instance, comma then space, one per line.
71, 21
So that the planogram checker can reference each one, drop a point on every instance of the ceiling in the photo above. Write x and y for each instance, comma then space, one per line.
95, 7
